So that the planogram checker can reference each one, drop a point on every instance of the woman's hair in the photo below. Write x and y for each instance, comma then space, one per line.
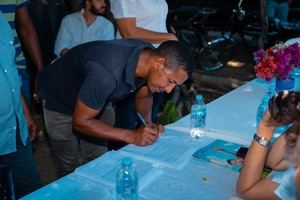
285, 109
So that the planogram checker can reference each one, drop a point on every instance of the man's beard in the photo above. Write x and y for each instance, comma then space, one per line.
95, 11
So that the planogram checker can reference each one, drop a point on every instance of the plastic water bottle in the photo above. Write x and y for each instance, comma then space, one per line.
198, 117
127, 181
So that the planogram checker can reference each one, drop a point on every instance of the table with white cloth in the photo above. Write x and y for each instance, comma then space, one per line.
167, 169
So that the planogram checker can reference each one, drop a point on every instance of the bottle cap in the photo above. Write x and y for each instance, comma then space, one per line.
199, 97
126, 161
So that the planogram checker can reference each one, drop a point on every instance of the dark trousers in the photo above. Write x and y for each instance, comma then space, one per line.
23, 167
69, 148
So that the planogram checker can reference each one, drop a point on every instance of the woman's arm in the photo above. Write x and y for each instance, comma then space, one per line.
250, 184
128, 29
275, 159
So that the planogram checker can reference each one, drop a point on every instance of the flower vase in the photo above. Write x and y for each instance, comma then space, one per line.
296, 75
286, 84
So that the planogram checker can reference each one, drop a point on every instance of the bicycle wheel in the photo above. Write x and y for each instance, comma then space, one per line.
189, 36
215, 54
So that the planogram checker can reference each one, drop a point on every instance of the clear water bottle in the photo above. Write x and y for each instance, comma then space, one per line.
198, 117
127, 181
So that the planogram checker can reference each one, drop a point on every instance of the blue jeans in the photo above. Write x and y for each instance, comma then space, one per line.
25, 84
277, 10
24, 171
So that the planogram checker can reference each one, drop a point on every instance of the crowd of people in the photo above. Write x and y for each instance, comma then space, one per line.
100, 63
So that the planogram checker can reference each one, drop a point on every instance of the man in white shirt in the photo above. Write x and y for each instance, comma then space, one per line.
84, 26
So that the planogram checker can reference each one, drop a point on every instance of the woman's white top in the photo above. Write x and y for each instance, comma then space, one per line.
149, 14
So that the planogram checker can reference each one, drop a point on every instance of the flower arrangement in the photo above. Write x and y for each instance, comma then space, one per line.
277, 61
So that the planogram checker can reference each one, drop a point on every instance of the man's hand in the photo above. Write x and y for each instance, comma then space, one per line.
64, 51
145, 136
32, 128
36, 93
160, 128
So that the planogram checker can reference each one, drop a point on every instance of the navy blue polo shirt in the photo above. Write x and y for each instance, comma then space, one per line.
95, 72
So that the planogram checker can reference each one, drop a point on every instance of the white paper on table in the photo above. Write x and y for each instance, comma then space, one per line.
69, 187
214, 134
104, 169
199, 179
172, 150
231, 117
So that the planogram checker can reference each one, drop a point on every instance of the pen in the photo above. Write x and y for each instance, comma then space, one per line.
141, 118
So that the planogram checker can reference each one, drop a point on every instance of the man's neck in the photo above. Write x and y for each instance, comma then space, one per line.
89, 17
144, 64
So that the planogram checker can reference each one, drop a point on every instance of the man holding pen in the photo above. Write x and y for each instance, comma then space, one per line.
77, 87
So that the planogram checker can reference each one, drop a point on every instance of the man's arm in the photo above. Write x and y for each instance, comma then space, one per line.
28, 36
84, 121
144, 101
128, 29
64, 37
31, 123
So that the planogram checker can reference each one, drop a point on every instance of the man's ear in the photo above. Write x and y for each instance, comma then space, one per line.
160, 62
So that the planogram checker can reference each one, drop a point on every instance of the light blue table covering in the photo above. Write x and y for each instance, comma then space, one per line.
167, 169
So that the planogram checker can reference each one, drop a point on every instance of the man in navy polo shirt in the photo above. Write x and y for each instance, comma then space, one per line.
79, 85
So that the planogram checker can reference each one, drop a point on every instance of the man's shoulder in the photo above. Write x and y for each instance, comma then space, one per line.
72, 16
104, 21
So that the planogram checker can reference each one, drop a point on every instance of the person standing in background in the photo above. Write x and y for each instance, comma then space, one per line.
145, 20
278, 9
73, 5
15, 120
46, 16
16, 13
84, 26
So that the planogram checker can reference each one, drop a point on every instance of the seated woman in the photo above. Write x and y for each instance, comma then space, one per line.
283, 109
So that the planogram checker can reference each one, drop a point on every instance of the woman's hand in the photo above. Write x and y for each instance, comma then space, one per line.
267, 126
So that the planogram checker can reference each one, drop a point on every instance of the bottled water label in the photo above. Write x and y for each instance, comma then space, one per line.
126, 192
127, 181
197, 132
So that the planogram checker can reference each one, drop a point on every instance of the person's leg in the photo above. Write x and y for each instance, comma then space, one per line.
92, 148
283, 11
25, 84
64, 143
23, 167
270, 9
